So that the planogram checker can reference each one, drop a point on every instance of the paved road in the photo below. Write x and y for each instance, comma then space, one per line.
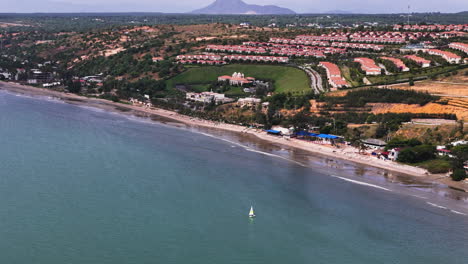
315, 79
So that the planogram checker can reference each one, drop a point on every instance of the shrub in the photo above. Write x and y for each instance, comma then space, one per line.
458, 175
438, 166
417, 154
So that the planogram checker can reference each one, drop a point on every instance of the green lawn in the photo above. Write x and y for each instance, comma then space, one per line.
286, 79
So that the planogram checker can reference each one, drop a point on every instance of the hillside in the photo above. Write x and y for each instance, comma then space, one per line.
240, 7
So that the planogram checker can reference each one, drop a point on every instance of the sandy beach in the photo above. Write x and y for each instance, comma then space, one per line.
344, 153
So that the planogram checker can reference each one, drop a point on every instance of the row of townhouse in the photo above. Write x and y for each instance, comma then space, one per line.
304, 51
460, 27
334, 76
287, 44
386, 40
203, 62
322, 38
212, 57
236, 49
394, 35
452, 34
284, 45
421, 61
386, 37
298, 53
256, 58
369, 66
299, 42
398, 63
349, 45
448, 56
318, 52
459, 46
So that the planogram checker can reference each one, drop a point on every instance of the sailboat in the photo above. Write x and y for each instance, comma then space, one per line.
251, 213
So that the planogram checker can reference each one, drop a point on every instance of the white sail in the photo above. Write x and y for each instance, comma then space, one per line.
251, 213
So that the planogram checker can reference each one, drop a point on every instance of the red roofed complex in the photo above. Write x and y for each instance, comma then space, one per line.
398, 63
199, 57
237, 78
436, 27
369, 66
334, 76
459, 46
421, 61
448, 56
256, 58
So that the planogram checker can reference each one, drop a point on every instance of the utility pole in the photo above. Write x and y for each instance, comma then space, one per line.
409, 7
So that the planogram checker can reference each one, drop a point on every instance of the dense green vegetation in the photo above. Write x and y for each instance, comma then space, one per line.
359, 98
415, 74
284, 78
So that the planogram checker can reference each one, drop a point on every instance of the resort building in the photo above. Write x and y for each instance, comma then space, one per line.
448, 56
207, 97
248, 102
237, 78
369, 66
421, 61
334, 76
459, 46
398, 63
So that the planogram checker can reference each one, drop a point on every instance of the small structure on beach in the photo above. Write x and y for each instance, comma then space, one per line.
393, 154
374, 143
273, 132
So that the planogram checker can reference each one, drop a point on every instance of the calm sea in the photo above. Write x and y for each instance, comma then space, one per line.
84, 186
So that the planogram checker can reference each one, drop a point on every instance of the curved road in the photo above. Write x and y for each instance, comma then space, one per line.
315, 79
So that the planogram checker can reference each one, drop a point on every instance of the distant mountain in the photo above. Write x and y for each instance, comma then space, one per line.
240, 7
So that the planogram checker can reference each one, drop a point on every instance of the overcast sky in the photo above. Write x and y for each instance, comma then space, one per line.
181, 6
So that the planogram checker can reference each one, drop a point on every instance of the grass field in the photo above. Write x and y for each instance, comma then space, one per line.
286, 79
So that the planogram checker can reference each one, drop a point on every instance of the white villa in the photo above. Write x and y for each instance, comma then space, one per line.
237, 78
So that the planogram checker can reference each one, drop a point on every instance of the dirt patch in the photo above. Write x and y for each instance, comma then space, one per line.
430, 108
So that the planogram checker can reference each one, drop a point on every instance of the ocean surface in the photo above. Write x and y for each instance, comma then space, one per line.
84, 186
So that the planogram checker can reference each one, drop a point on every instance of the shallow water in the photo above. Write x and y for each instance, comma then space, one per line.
79, 185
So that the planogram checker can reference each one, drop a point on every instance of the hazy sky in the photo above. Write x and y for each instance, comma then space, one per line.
180, 6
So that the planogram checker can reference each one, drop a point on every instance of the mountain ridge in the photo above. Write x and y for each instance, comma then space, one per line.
224, 7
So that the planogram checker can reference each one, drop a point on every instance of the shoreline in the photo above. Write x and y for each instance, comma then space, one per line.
345, 154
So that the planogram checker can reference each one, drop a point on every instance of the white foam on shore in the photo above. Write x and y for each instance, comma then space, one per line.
456, 212
436, 205
362, 183
445, 208
251, 149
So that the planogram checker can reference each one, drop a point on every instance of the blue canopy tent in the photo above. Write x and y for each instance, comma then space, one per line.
326, 136
323, 136
305, 134
274, 132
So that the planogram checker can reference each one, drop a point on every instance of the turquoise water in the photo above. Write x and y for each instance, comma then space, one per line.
85, 186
